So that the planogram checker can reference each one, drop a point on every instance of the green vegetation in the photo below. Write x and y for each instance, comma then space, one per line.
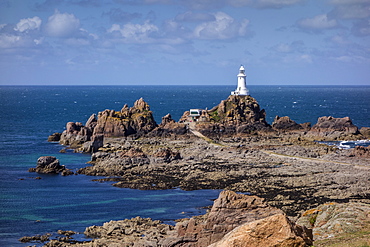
214, 116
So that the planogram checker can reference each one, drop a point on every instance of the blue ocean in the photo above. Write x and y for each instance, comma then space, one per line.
29, 114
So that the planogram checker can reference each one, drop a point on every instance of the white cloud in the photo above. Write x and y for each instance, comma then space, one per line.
62, 25
9, 40
28, 24
134, 33
39, 41
317, 23
223, 27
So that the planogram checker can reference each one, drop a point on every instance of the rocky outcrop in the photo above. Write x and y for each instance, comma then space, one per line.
75, 134
365, 131
334, 128
286, 124
137, 120
169, 127
228, 211
50, 164
236, 114
238, 110
54, 137
332, 219
276, 230
130, 232
97, 141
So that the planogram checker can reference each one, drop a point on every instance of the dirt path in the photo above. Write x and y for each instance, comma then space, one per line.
313, 159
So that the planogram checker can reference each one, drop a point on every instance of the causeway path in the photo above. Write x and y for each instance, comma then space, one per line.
291, 157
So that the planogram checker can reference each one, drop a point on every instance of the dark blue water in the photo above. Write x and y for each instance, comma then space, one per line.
30, 113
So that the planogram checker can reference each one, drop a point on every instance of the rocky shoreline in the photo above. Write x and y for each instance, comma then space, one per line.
229, 147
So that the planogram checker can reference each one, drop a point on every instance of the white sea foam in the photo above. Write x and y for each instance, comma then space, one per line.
348, 144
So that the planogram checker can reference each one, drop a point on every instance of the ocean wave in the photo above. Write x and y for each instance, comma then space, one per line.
347, 144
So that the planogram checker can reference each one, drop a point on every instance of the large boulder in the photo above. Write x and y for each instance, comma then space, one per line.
287, 124
48, 164
334, 128
333, 219
273, 231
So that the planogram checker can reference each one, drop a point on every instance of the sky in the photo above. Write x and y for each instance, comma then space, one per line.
184, 42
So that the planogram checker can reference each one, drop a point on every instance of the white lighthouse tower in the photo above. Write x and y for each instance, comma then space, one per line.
242, 83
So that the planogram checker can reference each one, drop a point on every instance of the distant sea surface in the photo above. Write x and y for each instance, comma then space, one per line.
29, 114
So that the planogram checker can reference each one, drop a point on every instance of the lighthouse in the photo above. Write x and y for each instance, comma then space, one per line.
242, 83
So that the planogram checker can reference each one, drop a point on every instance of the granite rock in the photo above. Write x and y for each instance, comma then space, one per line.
273, 231
48, 164
334, 128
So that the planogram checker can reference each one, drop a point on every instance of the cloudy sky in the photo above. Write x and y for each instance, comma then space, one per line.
125, 42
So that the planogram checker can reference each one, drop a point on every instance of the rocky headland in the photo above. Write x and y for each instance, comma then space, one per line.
229, 147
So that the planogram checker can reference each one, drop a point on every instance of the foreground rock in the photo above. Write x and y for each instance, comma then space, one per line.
230, 211
50, 164
332, 219
276, 230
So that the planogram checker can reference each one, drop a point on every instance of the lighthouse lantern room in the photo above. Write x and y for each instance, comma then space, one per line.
242, 83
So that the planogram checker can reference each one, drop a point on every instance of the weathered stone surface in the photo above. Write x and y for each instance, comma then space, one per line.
36, 238
169, 127
54, 137
75, 135
332, 219
276, 230
135, 120
97, 141
237, 110
360, 151
236, 114
365, 131
286, 124
130, 232
48, 164
228, 211
334, 128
